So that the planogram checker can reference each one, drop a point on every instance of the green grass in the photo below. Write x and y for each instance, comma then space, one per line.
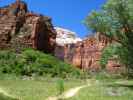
5, 97
107, 90
34, 89
110, 89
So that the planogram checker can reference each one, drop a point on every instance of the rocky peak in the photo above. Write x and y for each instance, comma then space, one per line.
65, 36
17, 8
20, 28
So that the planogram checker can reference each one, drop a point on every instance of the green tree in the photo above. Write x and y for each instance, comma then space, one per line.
115, 20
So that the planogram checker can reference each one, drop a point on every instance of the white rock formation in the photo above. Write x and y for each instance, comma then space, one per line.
65, 36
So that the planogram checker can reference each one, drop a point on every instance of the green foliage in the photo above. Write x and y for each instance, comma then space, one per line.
6, 58
97, 22
60, 86
108, 53
34, 63
115, 20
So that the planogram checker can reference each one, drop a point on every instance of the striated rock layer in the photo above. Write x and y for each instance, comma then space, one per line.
64, 37
86, 54
20, 28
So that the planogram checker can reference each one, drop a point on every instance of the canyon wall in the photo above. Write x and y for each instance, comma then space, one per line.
20, 28
86, 54
64, 38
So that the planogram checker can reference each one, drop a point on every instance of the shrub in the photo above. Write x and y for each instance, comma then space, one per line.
60, 86
32, 62
108, 52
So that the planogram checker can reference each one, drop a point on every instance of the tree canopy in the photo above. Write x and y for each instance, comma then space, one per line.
115, 20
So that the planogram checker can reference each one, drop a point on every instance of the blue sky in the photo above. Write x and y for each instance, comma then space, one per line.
64, 13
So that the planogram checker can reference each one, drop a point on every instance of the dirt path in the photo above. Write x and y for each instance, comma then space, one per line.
70, 93
5, 93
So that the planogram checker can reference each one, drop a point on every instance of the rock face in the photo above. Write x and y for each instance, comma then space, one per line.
64, 37
86, 54
20, 28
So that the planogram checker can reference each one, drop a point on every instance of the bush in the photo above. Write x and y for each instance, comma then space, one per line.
60, 86
108, 52
31, 62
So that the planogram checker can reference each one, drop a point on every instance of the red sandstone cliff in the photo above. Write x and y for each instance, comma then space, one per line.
20, 28
86, 54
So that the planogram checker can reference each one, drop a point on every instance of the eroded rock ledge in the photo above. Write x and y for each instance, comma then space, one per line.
20, 28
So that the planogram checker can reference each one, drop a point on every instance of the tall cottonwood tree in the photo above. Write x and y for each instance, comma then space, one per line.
115, 20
